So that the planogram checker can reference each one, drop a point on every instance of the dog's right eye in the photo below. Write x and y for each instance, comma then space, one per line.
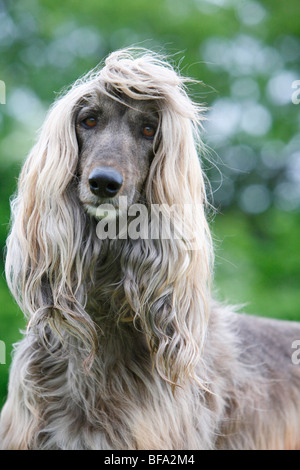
89, 122
148, 131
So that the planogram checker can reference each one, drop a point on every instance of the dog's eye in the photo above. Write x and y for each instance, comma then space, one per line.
148, 131
89, 122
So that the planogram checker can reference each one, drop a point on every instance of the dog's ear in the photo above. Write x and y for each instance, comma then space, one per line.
44, 249
176, 280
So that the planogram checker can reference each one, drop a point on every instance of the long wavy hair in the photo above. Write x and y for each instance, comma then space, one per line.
55, 261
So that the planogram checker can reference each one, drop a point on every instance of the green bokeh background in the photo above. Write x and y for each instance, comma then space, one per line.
247, 54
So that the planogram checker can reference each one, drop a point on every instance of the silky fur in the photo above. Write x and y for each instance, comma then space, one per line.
125, 348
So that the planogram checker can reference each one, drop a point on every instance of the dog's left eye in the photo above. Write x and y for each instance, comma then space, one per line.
148, 131
89, 122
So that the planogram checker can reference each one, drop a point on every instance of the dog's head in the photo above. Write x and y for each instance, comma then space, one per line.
134, 129
117, 136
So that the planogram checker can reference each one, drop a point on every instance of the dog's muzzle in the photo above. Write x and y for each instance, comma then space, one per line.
105, 182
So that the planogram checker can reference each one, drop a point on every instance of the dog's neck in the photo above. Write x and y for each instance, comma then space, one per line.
106, 296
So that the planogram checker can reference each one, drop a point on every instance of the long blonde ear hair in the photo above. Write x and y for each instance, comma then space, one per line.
168, 282
52, 247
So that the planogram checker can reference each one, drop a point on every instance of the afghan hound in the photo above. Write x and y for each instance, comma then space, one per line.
125, 347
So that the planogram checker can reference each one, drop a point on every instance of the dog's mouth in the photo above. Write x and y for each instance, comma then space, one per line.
113, 207
109, 210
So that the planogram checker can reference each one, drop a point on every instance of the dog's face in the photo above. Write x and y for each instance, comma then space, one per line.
116, 143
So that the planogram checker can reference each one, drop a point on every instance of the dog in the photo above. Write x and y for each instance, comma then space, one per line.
125, 346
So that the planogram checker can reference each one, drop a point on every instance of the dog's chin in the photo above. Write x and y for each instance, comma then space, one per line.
100, 212
109, 209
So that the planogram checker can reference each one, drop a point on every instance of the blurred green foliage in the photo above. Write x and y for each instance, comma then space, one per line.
247, 53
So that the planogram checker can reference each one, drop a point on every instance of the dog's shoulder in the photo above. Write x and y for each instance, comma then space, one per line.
270, 342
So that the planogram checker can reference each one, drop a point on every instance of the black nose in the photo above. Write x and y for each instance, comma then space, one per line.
105, 182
